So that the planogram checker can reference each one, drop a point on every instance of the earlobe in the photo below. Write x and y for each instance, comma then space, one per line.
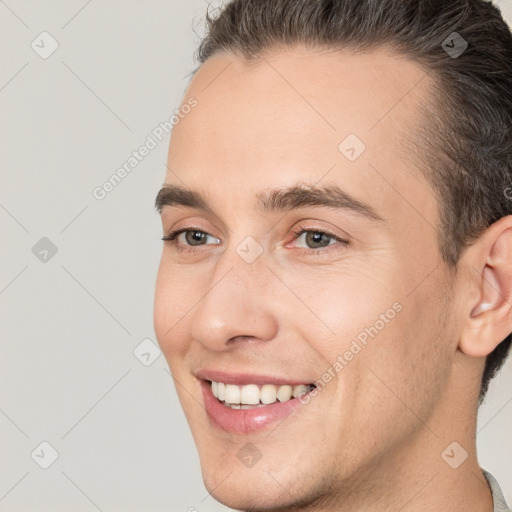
489, 261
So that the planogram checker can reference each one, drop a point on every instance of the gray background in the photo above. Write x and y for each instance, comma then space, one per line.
70, 323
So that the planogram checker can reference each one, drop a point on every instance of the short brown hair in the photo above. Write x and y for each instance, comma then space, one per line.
465, 135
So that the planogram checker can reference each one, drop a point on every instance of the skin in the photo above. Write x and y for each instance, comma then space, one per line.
372, 439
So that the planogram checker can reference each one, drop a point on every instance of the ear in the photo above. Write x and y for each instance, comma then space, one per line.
488, 312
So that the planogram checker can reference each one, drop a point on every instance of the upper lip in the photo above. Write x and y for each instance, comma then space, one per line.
242, 379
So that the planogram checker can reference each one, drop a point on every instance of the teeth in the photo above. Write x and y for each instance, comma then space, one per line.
268, 394
232, 394
284, 393
221, 391
241, 406
250, 395
299, 390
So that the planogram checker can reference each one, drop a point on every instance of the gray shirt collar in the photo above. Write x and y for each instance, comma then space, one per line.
497, 494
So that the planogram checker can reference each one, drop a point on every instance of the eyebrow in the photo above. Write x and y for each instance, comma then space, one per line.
281, 199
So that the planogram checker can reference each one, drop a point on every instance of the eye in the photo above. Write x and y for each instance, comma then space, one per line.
317, 239
193, 237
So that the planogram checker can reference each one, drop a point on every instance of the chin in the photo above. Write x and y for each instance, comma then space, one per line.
267, 486
259, 493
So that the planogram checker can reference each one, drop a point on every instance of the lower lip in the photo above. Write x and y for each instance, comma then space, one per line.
244, 421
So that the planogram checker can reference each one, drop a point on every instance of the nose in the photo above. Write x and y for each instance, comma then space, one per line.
237, 304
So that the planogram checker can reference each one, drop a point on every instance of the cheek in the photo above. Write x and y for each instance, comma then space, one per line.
174, 300
388, 344
406, 366
345, 306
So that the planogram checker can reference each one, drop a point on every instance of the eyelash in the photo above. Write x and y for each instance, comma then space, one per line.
171, 238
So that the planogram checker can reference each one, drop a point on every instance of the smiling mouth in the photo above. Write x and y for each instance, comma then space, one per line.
251, 396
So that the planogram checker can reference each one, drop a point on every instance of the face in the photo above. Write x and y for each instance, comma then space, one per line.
335, 280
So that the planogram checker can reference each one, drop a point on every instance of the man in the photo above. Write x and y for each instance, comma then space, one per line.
335, 287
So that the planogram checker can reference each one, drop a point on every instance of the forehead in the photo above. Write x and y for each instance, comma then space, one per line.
293, 114
331, 92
